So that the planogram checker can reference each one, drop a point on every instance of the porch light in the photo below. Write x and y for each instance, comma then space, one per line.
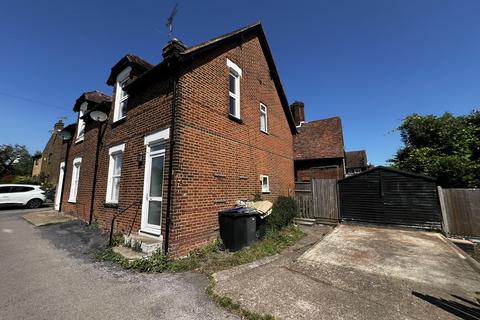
140, 158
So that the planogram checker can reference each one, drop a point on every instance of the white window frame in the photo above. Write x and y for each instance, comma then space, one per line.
120, 94
236, 72
113, 153
267, 188
77, 164
264, 112
81, 122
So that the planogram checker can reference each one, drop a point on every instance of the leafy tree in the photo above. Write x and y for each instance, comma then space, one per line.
15, 159
446, 147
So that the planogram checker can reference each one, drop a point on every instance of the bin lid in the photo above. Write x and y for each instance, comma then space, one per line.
237, 212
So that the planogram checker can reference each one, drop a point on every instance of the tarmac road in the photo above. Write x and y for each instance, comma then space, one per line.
45, 273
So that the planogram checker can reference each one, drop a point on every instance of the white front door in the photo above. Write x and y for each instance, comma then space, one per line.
58, 193
153, 189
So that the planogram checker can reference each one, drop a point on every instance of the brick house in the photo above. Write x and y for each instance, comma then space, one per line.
46, 164
37, 166
184, 139
318, 147
356, 162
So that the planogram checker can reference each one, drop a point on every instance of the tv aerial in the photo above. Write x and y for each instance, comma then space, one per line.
169, 23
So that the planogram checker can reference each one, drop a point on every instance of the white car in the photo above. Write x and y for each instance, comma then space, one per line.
28, 195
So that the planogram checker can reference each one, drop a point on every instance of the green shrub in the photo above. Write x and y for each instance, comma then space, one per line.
283, 212
23, 180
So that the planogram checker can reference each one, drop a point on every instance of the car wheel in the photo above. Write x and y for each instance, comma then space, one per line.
34, 203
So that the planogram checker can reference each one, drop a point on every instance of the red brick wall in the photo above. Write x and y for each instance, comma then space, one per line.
220, 160
149, 111
86, 150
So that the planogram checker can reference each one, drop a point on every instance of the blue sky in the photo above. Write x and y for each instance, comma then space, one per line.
369, 62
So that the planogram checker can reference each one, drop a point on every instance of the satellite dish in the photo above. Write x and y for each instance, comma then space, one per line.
65, 135
98, 116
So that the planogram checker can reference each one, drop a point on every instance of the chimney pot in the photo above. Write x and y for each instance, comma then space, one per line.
58, 126
298, 112
173, 46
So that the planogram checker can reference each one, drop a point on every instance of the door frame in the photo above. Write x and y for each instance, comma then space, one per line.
152, 140
59, 191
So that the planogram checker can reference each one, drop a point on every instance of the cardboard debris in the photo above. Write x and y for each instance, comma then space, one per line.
264, 208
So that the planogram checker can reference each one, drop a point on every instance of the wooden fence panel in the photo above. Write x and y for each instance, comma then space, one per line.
318, 199
325, 199
461, 210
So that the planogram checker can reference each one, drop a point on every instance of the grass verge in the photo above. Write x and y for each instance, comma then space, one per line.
209, 259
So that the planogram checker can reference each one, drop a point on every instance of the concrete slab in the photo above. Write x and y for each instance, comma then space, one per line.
44, 218
405, 254
358, 272
128, 253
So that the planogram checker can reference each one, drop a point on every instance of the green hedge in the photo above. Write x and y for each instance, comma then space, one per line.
283, 212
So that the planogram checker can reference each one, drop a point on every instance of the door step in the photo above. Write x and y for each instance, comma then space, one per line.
129, 253
144, 244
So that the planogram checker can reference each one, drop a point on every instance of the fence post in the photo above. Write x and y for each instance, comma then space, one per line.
445, 222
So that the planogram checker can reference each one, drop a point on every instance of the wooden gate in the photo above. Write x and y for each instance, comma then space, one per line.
317, 200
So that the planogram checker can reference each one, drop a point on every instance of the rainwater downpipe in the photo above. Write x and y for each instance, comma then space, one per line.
170, 163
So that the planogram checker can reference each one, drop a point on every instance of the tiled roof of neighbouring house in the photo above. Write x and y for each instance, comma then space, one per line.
356, 159
320, 139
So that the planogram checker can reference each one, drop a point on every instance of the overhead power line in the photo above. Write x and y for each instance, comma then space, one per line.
33, 101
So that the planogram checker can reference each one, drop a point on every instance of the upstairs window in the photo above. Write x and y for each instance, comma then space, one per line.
234, 89
81, 122
263, 118
265, 184
121, 96
114, 173
77, 162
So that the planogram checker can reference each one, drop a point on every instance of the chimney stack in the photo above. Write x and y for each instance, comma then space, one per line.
173, 47
58, 126
298, 112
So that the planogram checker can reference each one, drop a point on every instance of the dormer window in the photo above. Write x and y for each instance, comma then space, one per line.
121, 96
234, 89
81, 122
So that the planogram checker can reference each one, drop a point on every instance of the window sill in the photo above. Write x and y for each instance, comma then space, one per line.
233, 118
265, 132
79, 140
110, 205
72, 201
266, 192
118, 122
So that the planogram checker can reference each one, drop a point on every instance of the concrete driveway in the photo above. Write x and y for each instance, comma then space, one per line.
359, 272
45, 273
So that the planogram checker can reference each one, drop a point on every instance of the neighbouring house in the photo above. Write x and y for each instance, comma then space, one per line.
318, 147
46, 164
356, 162
37, 167
79, 168
184, 139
